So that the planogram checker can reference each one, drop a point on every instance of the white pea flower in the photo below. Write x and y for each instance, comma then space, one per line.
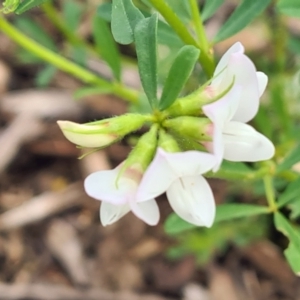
179, 175
234, 140
117, 190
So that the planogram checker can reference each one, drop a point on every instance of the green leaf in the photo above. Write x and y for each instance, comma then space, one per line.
9, 6
285, 227
295, 210
225, 212
233, 171
104, 11
146, 48
72, 12
174, 225
292, 253
233, 211
246, 12
294, 44
210, 7
45, 76
181, 8
88, 91
289, 7
167, 36
124, 18
292, 158
291, 193
106, 45
79, 55
28, 4
179, 73
35, 31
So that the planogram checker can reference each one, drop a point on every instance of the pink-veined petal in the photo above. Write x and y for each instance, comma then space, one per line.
167, 167
262, 80
110, 213
192, 199
103, 185
147, 211
219, 71
243, 143
222, 110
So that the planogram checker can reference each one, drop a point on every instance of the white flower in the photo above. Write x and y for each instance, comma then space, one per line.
117, 191
232, 138
179, 175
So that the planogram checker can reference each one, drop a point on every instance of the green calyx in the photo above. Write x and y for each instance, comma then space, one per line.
167, 142
190, 127
144, 151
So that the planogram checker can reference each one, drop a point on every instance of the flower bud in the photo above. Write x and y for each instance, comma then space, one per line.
101, 133
191, 105
143, 152
167, 142
190, 127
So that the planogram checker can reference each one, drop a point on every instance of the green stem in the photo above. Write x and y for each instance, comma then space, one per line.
196, 15
269, 189
180, 28
64, 64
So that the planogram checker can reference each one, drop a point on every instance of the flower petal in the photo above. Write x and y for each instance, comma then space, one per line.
103, 185
243, 143
167, 167
219, 71
157, 178
192, 199
86, 135
262, 79
110, 213
222, 110
147, 211
242, 69
216, 147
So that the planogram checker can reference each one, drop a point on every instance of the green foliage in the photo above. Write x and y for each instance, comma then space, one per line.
181, 8
174, 224
292, 253
72, 13
232, 211
289, 7
89, 91
9, 6
179, 73
28, 4
210, 7
36, 32
125, 16
292, 158
206, 242
145, 35
45, 76
234, 170
246, 12
291, 193
104, 11
106, 46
